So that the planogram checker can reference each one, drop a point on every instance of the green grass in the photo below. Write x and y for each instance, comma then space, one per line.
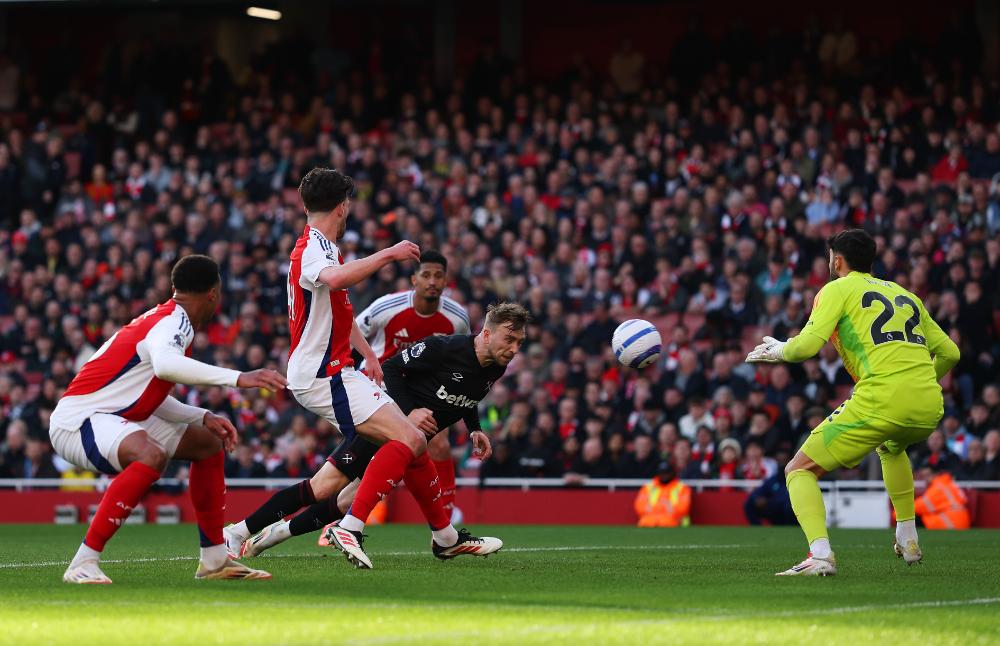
699, 585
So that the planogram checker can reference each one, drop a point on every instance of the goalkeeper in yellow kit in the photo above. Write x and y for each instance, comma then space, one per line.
886, 339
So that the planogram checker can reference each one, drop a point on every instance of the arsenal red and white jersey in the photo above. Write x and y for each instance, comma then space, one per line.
391, 323
320, 320
119, 378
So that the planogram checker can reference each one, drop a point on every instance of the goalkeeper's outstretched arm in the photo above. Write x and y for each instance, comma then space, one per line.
828, 306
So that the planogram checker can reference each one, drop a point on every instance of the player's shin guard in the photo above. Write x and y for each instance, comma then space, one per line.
283, 503
315, 517
423, 482
807, 502
384, 472
124, 493
446, 471
208, 496
898, 478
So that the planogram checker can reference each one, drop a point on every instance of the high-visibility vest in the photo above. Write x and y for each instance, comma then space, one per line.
943, 505
659, 505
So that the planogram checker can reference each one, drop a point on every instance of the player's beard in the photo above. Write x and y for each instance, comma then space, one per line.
342, 228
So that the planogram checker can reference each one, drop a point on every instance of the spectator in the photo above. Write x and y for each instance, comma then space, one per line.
665, 501
943, 505
936, 454
755, 465
37, 461
770, 502
728, 467
245, 465
975, 466
591, 463
991, 446
696, 417
643, 461
13, 458
501, 464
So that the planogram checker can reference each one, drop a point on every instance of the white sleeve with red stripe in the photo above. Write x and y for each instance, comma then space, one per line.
164, 348
456, 313
319, 254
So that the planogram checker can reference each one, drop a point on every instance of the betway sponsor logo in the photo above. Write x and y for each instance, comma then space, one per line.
460, 401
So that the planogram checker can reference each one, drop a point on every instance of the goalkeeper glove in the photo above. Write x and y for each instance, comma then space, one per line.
770, 351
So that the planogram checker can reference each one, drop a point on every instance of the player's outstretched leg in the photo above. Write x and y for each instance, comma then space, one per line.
283, 503
313, 518
898, 477
807, 502
146, 461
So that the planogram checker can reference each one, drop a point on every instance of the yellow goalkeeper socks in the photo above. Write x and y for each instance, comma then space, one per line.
807, 502
898, 478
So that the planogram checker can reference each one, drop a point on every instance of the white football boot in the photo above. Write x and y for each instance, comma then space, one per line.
350, 543
467, 544
910, 552
812, 566
86, 572
230, 570
266, 539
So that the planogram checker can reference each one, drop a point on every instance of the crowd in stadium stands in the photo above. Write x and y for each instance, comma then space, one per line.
700, 200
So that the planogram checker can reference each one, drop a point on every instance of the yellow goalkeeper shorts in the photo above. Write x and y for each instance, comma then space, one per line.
847, 435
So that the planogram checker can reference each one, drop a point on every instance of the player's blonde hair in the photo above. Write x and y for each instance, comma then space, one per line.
507, 313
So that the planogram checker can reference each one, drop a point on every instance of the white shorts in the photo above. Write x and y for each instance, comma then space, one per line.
345, 400
94, 446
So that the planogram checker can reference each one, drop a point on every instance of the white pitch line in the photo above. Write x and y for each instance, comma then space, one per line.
570, 548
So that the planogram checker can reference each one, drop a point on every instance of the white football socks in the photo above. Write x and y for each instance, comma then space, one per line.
240, 529
215, 556
85, 554
906, 530
445, 537
280, 533
820, 548
351, 524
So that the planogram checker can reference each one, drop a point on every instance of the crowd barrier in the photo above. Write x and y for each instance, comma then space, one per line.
495, 500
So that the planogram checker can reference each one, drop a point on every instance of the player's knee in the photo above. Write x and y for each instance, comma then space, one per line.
152, 455
438, 450
414, 438
326, 483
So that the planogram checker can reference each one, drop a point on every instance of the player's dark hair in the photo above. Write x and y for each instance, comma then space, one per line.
857, 248
195, 274
324, 189
433, 257
507, 313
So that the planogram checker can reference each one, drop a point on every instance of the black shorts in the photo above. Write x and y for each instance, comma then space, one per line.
351, 457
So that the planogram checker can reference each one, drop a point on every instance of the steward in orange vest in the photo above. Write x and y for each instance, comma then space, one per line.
943, 505
664, 501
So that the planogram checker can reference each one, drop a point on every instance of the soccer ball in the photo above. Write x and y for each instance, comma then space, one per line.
636, 343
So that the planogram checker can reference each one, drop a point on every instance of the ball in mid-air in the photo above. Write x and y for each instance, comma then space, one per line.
636, 343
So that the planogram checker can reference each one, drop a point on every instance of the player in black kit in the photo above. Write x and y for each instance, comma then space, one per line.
436, 383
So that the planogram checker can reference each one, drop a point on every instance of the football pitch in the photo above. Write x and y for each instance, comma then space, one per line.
700, 585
